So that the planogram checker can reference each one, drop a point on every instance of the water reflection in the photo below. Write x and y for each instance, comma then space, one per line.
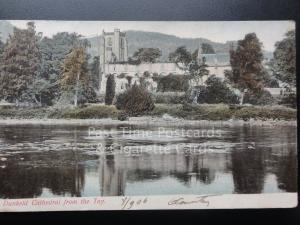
47, 161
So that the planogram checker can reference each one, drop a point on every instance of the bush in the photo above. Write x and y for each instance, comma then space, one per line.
262, 97
289, 99
214, 92
110, 89
90, 112
218, 92
135, 101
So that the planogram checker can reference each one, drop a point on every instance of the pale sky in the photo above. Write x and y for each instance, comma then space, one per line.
269, 32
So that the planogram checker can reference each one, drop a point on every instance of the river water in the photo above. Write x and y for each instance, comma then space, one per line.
116, 160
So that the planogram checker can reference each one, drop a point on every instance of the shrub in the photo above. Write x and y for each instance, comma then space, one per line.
214, 92
110, 89
262, 97
135, 101
218, 92
289, 99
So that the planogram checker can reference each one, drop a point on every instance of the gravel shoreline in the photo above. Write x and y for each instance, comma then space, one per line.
149, 121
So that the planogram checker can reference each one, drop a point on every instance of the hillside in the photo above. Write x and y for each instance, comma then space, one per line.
139, 39
167, 43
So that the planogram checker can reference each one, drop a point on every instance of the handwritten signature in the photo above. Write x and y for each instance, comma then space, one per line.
183, 201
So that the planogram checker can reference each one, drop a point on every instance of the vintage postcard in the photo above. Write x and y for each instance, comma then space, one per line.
111, 115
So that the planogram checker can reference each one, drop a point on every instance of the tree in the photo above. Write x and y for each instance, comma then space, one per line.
207, 49
75, 77
20, 63
95, 73
246, 62
182, 57
1, 47
110, 89
54, 50
284, 63
198, 70
148, 55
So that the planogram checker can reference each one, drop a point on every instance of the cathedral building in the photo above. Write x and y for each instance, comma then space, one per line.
114, 60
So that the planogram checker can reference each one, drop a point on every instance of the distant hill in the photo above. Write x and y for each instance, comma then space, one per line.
139, 39
167, 43
6, 28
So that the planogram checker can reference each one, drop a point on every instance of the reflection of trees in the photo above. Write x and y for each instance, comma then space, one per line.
14, 134
28, 182
117, 170
145, 174
248, 168
200, 166
248, 171
286, 171
112, 175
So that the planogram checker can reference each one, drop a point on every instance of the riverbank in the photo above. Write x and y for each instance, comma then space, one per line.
161, 113
166, 120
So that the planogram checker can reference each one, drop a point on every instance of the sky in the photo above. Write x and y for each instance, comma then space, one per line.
269, 32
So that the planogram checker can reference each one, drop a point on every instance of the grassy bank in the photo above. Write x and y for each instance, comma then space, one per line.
187, 111
90, 112
225, 112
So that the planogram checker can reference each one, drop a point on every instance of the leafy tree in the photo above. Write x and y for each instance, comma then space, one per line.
182, 57
207, 48
75, 76
1, 47
189, 63
95, 73
148, 55
246, 63
20, 63
54, 50
284, 63
198, 70
110, 89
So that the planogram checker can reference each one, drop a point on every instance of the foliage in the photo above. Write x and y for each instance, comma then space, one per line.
135, 101
75, 77
289, 99
95, 73
172, 82
261, 97
1, 47
181, 56
54, 51
148, 55
269, 81
217, 91
246, 63
198, 70
284, 63
110, 89
20, 63
224, 112
189, 63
